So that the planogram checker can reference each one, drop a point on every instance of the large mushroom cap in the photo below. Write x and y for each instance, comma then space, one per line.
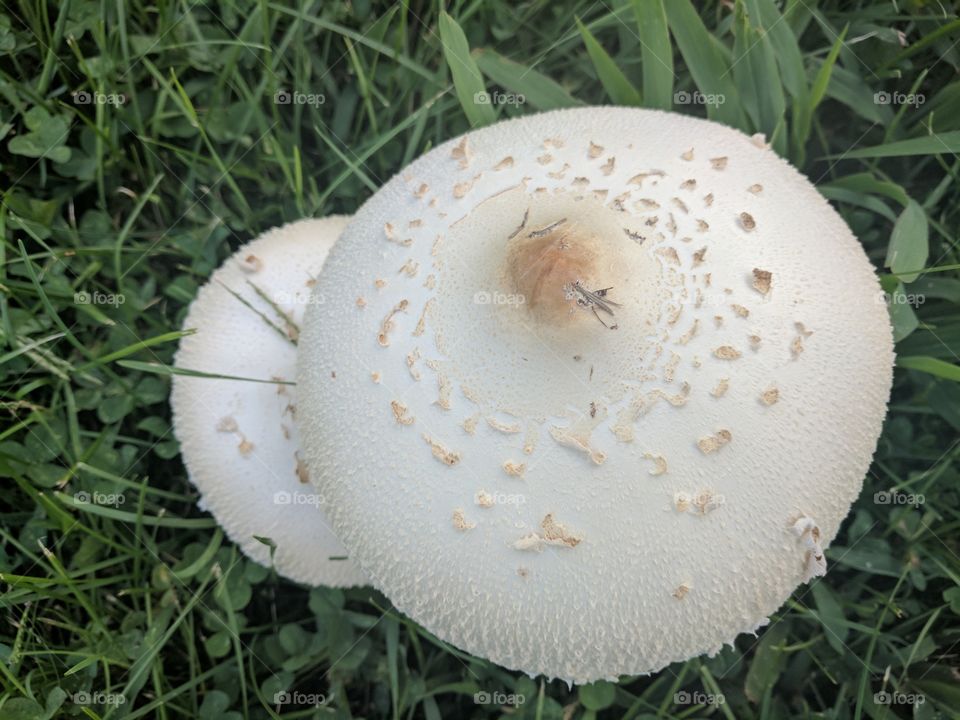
238, 439
559, 496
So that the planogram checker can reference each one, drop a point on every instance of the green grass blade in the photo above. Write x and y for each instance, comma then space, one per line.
773, 26
611, 77
948, 142
706, 61
930, 365
538, 90
806, 106
909, 243
656, 53
767, 88
467, 80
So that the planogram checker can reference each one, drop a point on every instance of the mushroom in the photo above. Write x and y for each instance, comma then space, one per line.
579, 308
238, 437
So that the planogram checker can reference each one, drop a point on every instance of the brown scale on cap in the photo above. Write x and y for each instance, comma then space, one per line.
251, 263
229, 425
383, 337
444, 455
461, 189
762, 280
503, 427
412, 357
721, 389
460, 521
796, 347
770, 396
552, 533
659, 463
410, 268
726, 352
514, 469
400, 413
470, 424
303, 475
462, 153
483, 499
689, 334
712, 443
422, 322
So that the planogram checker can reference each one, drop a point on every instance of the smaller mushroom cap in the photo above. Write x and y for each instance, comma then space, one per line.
239, 439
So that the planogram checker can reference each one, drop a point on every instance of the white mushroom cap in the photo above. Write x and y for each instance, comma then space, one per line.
557, 496
238, 439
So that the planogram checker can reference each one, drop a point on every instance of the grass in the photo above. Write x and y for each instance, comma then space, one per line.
143, 142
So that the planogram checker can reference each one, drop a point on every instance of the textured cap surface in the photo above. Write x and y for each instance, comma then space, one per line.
238, 439
558, 496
